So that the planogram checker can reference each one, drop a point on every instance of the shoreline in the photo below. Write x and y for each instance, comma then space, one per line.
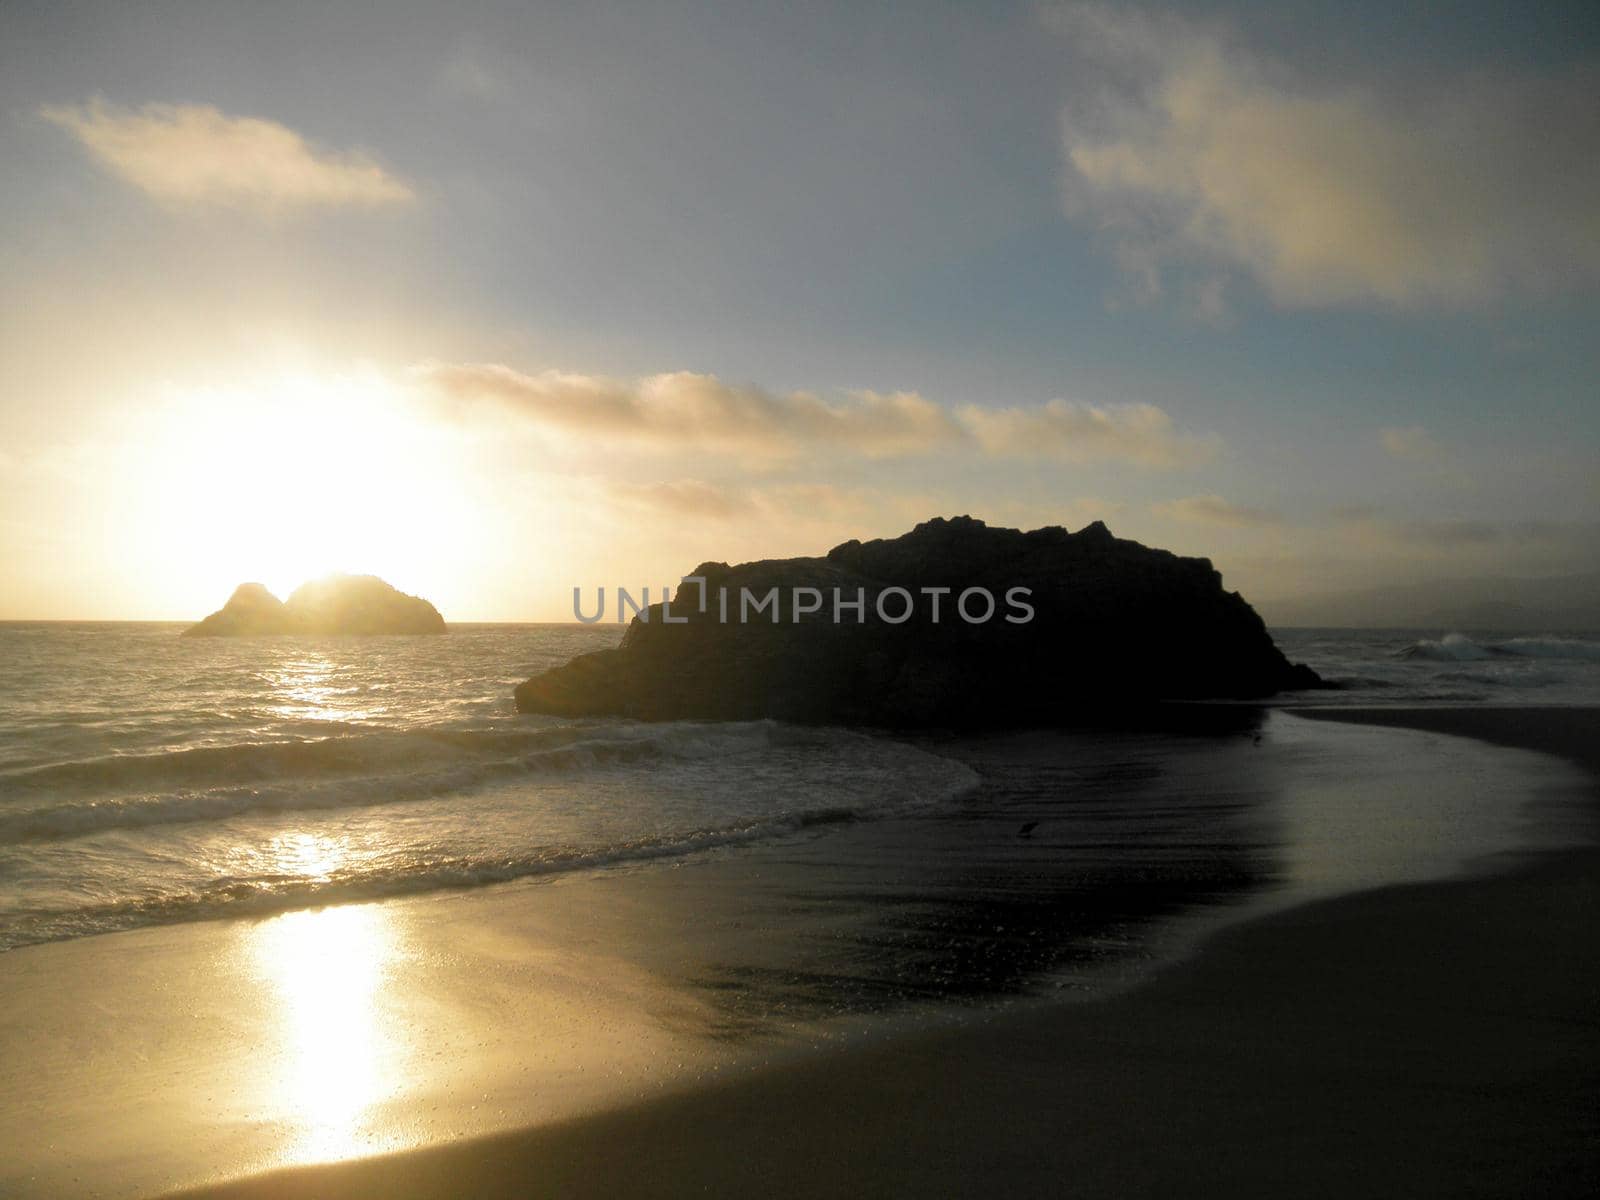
1428, 1037
1564, 731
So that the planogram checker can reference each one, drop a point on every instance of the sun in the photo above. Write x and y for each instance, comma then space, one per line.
285, 477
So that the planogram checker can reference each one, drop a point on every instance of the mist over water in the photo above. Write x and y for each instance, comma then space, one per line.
146, 778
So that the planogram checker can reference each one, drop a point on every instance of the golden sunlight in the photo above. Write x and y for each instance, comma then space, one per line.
327, 969
307, 855
307, 688
289, 476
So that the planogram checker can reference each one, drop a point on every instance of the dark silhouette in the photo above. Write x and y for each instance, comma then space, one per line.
1116, 627
362, 604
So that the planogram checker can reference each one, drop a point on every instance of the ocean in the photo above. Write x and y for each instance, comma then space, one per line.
149, 779
1427, 666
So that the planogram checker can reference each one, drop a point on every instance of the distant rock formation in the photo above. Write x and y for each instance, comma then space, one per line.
250, 610
360, 604
1115, 625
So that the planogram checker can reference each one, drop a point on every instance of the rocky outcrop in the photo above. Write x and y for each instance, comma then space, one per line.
359, 604
250, 610
1114, 625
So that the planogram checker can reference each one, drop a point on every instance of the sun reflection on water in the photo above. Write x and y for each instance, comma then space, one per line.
310, 688
337, 1057
307, 855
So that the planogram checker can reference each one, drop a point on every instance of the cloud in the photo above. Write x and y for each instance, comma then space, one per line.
1374, 532
687, 411
194, 153
684, 498
1450, 193
1414, 444
764, 507
1071, 431
471, 70
1447, 533
1212, 509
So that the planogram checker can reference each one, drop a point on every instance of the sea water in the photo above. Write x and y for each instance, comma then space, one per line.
147, 778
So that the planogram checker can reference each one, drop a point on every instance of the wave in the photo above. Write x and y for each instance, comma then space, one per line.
355, 772
1567, 648
1455, 647
264, 895
1458, 647
246, 762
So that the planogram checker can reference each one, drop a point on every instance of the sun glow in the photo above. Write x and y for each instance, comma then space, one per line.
291, 476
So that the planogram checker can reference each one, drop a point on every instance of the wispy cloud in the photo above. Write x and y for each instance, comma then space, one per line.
1212, 509
684, 410
764, 508
1071, 431
687, 409
471, 71
1516, 540
196, 154
683, 498
1412, 444
1452, 193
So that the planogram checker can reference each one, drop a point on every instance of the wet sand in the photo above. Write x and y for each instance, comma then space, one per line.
1571, 733
1426, 1039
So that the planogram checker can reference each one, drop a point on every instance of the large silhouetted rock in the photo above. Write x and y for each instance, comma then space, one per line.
1115, 626
361, 604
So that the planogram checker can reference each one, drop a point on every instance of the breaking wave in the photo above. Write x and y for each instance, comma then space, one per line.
1458, 647
216, 783
262, 895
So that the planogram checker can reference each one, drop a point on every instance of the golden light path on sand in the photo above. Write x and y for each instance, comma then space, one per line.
360, 1029
183, 1054
333, 1053
336, 1057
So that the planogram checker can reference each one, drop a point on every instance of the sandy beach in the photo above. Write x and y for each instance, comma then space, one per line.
1433, 1039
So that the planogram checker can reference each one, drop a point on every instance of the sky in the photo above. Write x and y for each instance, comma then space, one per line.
496, 300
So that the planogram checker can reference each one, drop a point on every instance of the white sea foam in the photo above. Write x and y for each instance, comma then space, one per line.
1455, 647
146, 778
1458, 647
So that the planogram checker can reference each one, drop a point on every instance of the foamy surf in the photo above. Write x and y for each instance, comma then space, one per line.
212, 808
1458, 647
215, 783
398, 874
1415, 666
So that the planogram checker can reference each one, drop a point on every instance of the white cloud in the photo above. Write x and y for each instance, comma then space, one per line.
1450, 193
1212, 509
686, 411
194, 153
